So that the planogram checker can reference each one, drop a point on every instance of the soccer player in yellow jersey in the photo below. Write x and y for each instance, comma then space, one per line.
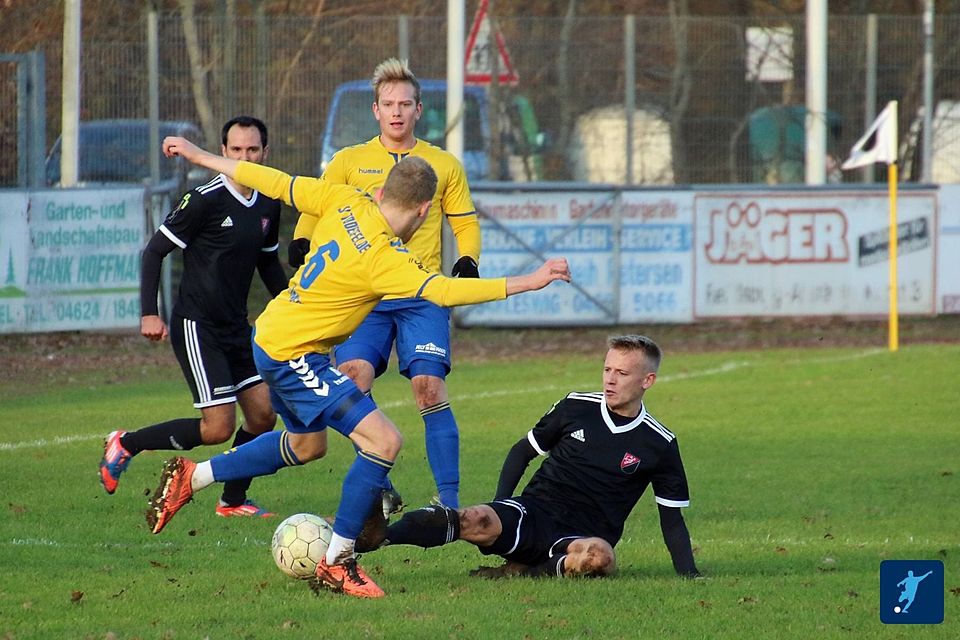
357, 257
420, 328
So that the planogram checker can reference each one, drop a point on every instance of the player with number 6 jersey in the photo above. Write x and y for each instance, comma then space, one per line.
357, 256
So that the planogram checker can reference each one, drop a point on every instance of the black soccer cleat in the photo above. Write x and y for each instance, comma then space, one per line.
374, 533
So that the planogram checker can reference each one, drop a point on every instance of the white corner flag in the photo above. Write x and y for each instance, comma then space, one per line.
879, 143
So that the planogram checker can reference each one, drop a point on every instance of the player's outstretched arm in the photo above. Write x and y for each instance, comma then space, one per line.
395, 272
177, 146
552, 269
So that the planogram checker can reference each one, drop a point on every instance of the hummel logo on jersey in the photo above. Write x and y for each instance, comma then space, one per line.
308, 377
227, 222
630, 463
373, 171
431, 349
578, 435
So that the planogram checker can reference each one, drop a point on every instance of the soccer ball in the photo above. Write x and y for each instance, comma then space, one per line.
299, 543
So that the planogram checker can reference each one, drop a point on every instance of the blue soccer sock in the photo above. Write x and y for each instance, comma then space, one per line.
443, 451
387, 483
235, 491
361, 492
262, 456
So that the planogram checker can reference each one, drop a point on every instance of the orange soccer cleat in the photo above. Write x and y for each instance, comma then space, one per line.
174, 492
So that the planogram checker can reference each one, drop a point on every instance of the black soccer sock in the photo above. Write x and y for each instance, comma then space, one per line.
431, 526
235, 491
552, 568
181, 434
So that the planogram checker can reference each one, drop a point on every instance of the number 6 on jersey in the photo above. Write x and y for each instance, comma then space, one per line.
316, 264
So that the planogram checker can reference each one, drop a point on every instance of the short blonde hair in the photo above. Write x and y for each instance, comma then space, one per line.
643, 344
393, 70
410, 183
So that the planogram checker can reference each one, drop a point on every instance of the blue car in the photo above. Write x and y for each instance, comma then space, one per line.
117, 152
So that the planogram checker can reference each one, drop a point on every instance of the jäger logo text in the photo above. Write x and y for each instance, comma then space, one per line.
776, 236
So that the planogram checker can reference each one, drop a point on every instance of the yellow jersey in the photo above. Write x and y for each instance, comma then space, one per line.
355, 260
366, 166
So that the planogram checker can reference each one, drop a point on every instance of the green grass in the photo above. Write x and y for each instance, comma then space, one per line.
806, 467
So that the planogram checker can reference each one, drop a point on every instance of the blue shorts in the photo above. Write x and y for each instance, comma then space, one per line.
309, 394
420, 328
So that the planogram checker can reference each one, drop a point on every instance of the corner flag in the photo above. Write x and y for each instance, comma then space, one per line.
879, 143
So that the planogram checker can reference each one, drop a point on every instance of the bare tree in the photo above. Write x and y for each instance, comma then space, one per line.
198, 72
283, 92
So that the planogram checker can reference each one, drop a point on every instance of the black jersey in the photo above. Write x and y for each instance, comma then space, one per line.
222, 235
599, 465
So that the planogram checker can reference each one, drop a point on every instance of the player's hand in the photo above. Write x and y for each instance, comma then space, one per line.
153, 328
177, 146
552, 269
465, 267
297, 252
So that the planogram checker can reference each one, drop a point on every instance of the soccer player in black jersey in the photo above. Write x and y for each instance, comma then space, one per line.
225, 231
603, 450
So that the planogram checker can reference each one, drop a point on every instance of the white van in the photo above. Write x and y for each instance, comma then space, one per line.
598, 148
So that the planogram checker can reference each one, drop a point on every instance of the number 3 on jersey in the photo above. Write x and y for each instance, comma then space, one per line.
317, 263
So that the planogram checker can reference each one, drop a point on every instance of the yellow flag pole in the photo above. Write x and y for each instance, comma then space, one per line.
892, 328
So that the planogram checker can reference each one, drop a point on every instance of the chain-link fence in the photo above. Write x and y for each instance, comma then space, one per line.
716, 100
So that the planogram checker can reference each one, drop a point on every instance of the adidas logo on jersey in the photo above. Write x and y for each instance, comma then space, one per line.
227, 222
578, 435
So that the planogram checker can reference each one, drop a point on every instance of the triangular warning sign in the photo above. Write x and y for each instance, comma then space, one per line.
485, 47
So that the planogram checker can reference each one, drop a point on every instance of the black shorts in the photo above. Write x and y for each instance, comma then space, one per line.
217, 363
531, 534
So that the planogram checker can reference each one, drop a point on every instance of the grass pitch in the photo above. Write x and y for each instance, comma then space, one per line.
806, 469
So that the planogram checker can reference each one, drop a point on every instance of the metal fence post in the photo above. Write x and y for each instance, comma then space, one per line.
629, 87
929, 107
153, 91
403, 36
37, 143
23, 117
260, 71
870, 85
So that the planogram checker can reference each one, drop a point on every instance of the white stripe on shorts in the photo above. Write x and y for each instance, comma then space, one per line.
249, 382
519, 507
196, 361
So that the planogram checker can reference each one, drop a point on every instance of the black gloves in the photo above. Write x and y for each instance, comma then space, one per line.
465, 267
297, 251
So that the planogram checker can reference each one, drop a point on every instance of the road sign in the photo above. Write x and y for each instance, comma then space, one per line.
484, 46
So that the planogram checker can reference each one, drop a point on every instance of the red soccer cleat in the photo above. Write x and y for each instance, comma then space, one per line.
174, 492
114, 462
346, 578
